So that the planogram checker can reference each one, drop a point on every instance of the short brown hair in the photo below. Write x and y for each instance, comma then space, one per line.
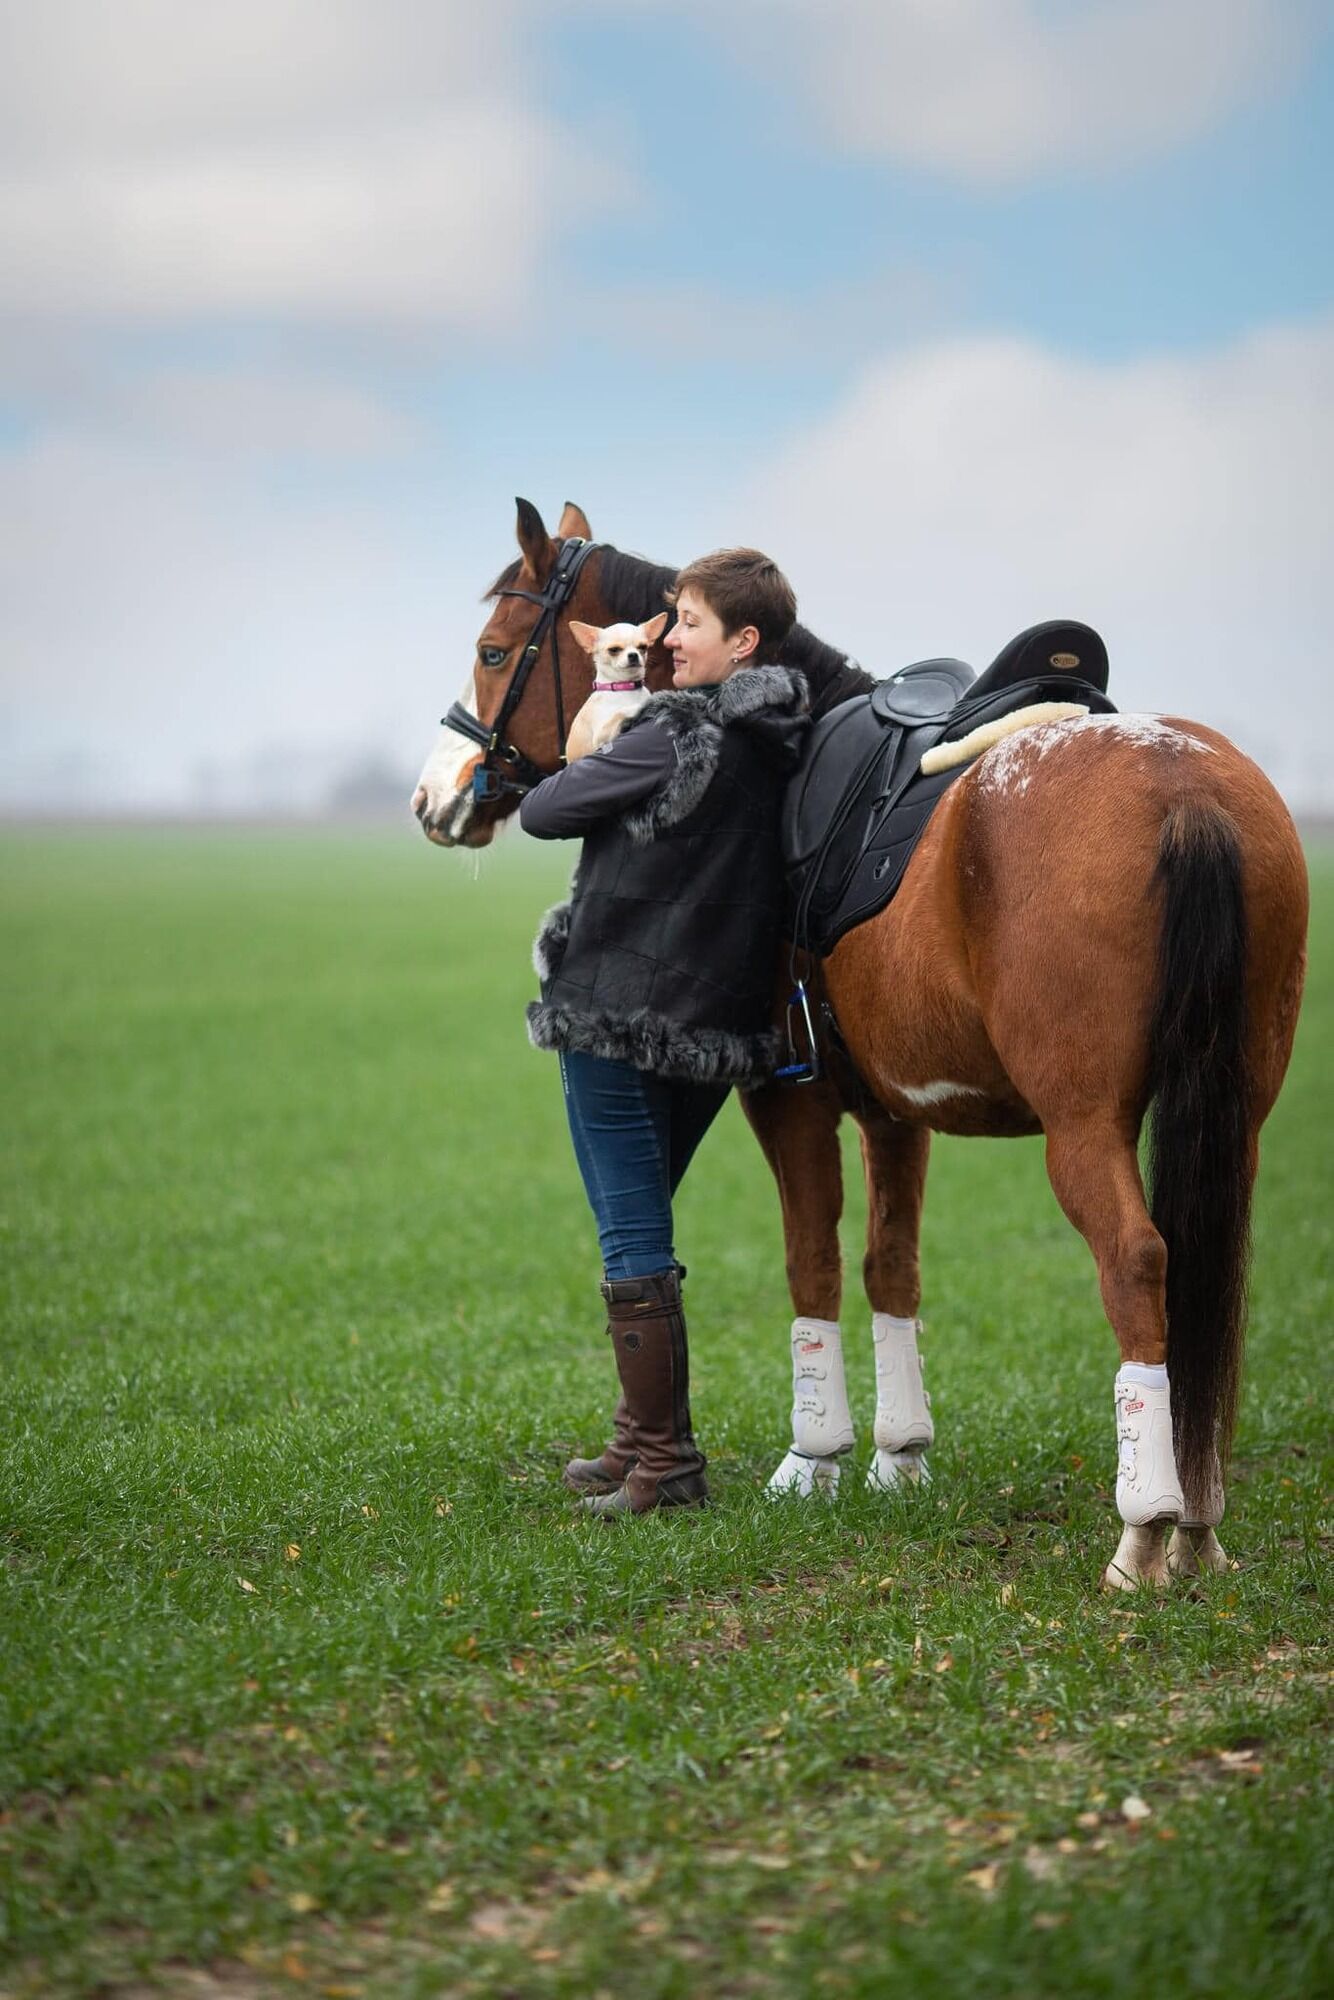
743, 587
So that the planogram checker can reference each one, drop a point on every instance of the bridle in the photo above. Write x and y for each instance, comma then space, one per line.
488, 782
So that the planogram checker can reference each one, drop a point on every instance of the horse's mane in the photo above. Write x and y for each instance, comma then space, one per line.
636, 588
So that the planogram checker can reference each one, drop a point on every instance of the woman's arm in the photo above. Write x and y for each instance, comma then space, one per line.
599, 787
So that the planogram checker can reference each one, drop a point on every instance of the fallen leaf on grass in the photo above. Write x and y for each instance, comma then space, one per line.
294, 1967
984, 1878
440, 1899
1134, 1809
246, 1584
1049, 1920
506, 1923
301, 1903
293, 1552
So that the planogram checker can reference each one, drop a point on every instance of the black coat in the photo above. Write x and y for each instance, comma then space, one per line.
665, 955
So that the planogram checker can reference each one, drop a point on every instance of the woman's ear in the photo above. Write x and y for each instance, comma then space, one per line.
586, 635
744, 643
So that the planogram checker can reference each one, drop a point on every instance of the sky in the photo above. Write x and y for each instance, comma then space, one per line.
971, 312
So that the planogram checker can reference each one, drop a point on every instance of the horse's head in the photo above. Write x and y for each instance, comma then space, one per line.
444, 800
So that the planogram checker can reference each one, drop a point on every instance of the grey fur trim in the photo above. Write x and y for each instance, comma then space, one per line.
553, 934
695, 719
754, 688
654, 1043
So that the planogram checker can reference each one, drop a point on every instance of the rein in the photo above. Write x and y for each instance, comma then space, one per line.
488, 782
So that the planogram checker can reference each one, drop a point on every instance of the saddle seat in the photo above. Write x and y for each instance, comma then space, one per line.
856, 809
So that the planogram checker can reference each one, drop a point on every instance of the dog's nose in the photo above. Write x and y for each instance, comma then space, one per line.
632, 658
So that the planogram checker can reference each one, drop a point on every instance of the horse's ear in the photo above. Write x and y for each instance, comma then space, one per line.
654, 629
534, 540
574, 521
586, 635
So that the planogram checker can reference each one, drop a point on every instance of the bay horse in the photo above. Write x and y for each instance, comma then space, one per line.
1103, 919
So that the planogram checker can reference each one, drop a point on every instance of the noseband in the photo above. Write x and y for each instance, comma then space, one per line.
488, 782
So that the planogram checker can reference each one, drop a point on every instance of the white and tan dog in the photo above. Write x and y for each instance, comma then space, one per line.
620, 661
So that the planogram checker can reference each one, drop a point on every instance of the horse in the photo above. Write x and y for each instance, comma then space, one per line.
1105, 920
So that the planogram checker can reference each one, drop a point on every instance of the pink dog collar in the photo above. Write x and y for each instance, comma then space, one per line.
614, 687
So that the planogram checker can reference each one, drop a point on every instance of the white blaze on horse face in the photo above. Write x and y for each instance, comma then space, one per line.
445, 810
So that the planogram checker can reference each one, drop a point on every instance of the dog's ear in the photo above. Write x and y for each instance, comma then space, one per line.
586, 635
655, 628
574, 521
539, 551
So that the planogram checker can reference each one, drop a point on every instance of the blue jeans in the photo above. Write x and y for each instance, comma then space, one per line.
634, 1136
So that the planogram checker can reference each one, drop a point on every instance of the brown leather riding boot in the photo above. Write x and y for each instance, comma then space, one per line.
607, 1471
648, 1332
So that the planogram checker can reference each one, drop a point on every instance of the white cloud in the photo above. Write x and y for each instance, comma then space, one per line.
1006, 90
329, 159
1180, 504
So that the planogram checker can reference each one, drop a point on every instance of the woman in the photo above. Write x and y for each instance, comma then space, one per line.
657, 976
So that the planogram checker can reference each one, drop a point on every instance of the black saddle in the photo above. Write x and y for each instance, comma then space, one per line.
856, 809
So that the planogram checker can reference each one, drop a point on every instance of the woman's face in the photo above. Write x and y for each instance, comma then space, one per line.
702, 653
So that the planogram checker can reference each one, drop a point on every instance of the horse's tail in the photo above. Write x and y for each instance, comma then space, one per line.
1201, 1167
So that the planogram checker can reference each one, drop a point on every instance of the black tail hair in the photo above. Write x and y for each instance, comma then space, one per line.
1202, 1164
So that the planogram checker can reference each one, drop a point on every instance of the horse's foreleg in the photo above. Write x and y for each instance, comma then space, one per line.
894, 1157
1095, 1176
797, 1126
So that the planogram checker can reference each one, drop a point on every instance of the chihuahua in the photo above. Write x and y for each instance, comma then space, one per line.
620, 661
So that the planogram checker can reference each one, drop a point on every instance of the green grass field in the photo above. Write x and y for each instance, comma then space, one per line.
314, 1681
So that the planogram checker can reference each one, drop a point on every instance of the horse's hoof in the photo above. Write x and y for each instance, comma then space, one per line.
800, 1476
1140, 1562
891, 1471
1195, 1550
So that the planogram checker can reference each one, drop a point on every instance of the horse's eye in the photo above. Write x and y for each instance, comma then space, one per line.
492, 656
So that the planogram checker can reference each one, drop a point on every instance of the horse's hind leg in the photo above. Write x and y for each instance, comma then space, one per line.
1095, 1176
797, 1126
894, 1156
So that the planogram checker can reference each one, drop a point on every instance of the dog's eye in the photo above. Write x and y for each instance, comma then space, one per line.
614, 650
492, 656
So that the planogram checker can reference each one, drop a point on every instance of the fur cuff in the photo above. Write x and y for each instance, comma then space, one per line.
553, 934
652, 1042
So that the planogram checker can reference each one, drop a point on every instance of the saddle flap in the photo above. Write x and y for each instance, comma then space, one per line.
925, 692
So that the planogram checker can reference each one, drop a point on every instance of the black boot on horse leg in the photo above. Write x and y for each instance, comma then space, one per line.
648, 1332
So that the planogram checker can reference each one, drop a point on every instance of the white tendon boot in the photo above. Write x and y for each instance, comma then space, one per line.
903, 1426
821, 1420
1148, 1490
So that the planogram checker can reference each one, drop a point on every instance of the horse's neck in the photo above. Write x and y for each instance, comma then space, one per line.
634, 588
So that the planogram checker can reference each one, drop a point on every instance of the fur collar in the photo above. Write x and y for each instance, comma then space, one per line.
695, 719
